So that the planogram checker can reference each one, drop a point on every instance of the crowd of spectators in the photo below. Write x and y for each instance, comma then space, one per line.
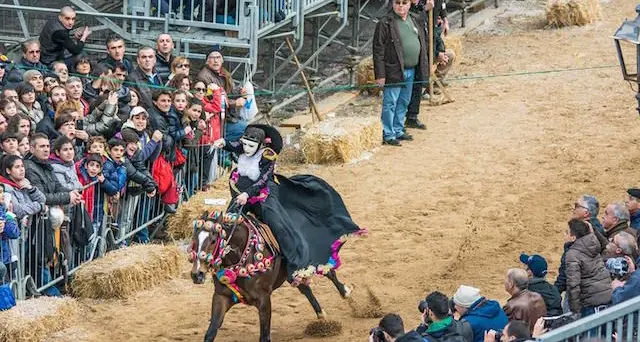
85, 140
597, 270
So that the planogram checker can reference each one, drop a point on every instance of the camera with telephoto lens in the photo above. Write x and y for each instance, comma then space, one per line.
498, 336
378, 334
618, 268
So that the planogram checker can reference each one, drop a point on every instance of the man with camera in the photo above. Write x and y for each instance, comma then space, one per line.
391, 329
623, 244
479, 312
624, 286
438, 324
515, 331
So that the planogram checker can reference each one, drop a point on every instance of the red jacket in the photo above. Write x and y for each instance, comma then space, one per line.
88, 194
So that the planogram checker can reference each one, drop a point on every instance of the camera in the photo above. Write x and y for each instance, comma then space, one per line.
378, 334
618, 268
422, 306
498, 336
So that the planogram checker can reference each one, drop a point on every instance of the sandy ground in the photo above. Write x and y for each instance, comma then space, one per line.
495, 175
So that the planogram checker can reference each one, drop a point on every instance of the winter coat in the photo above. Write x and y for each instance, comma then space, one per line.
92, 204
124, 97
26, 202
47, 127
65, 173
149, 149
41, 175
144, 85
35, 114
618, 228
169, 125
115, 176
549, 293
635, 221
102, 120
163, 66
56, 43
588, 281
140, 179
630, 289
11, 232
15, 75
411, 336
111, 63
484, 315
561, 280
388, 60
525, 306
447, 330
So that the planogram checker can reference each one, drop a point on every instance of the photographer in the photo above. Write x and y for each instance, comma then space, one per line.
391, 329
439, 325
625, 290
479, 312
515, 331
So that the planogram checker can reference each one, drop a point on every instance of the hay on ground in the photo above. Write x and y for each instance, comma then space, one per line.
454, 43
369, 307
34, 319
180, 225
365, 77
126, 271
340, 140
561, 13
323, 328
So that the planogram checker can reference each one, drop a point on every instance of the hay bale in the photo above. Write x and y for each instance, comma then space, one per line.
323, 328
180, 225
454, 43
369, 307
126, 271
561, 13
340, 140
365, 77
34, 319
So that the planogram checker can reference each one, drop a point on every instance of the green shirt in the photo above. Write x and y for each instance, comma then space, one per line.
410, 42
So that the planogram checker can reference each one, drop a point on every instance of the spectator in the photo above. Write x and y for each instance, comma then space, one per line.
439, 325
392, 328
421, 9
8, 108
74, 90
588, 282
61, 70
9, 142
180, 66
623, 244
114, 171
23, 144
82, 66
99, 75
35, 79
480, 313
46, 126
5, 63
395, 63
124, 93
40, 174
587, 208
97, 145
164, 55
8, 231
89, 170
28, 104
62, 162
523, 305
537, 271
199, 90
515, 331
616, 220
50, 82
135, 99
625, 290
103, 119
27, 200
214, 73
116, 54
180, 82
633, 205
19, 124
179, 98
163, 118
55, 38
30, 61
3, 124
145, 76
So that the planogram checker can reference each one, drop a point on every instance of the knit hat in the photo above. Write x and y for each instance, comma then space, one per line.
536, 264
634, 192
466, 296
214, 48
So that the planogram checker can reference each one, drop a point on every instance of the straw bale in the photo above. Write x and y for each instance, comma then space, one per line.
34, 319
340, 140
562, 13
454, 43
180, 225
365, 77
126, 271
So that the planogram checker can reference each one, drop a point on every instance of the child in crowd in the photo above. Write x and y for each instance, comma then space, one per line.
8, 108
89, 170
97, 145
180, 101
8, 231
9, 143
192, 118
23, 145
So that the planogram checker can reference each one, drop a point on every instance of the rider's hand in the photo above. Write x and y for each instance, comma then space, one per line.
242, 198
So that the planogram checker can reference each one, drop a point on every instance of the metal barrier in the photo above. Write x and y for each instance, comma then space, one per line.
622, 319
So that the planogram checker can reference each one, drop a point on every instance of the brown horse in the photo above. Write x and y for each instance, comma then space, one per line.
235, 242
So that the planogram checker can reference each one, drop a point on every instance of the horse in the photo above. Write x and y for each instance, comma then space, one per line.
244, 256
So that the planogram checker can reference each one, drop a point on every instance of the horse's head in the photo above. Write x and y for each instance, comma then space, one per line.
205, 244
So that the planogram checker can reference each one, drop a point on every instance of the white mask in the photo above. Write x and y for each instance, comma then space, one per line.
249, 147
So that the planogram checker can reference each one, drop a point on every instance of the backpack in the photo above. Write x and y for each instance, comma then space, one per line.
80, 227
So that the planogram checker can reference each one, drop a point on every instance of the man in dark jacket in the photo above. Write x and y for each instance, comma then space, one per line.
399, 54
588, 281
625, 290
163, 118
30, 61
145, 76
164, 55
524, 305
116, 54
616, 220
479, 313
392, 328
439, 325
40, 174
55, 38
537, 271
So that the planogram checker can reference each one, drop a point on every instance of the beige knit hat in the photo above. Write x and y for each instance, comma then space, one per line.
466, 296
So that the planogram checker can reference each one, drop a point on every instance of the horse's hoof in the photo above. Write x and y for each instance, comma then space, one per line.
347, 291
322, 315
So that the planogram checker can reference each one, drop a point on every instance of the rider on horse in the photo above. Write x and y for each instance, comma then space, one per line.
306, 215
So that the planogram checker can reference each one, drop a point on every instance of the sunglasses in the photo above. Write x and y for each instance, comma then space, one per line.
182, 66
200, 89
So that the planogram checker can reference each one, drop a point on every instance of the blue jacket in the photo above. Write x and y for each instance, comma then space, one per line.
115, 176
630, 289
485, 315
11, 231
635, 220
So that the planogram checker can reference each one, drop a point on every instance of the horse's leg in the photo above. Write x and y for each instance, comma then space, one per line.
219, 307
264, 310
306, 291
344, 290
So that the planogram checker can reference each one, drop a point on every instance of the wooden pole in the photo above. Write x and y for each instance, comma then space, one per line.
315, 115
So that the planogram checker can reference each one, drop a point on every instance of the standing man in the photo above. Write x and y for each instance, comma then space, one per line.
399, 53
145, 76
115, 54
55, 38
164, 55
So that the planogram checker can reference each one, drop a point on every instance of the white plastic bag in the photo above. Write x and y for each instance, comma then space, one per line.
250, 109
